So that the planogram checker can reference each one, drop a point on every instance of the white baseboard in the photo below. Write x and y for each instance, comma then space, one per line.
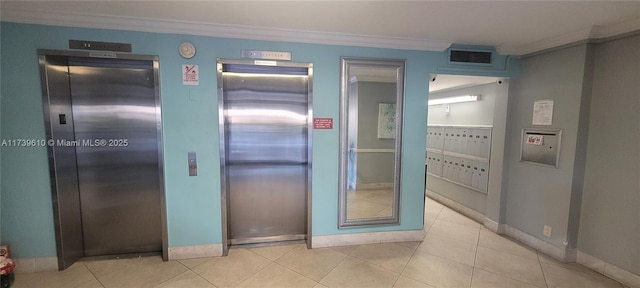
366, 238
197, 251
560, 254
33, 265
612, 271
493, 226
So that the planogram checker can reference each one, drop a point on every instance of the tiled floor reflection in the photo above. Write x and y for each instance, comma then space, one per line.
456, 252
369, 203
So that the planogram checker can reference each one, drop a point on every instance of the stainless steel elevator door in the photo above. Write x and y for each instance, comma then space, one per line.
114, 115
266, 110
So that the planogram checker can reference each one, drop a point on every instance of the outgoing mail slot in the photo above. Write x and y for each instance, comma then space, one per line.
540, 146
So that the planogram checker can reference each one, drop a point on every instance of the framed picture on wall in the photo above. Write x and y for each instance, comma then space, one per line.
386, 120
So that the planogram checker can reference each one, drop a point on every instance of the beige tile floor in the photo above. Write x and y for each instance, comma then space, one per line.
456, 252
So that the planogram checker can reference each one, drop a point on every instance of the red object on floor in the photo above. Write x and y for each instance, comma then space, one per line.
6, 265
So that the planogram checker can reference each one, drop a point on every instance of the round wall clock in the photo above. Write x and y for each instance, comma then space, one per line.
187, 50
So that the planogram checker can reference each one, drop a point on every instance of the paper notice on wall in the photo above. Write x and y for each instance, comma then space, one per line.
543, 112
190, 75
535, 140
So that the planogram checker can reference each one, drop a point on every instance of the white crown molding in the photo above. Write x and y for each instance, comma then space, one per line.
217, 30
617, 28
291, 35
592, 33
548, 43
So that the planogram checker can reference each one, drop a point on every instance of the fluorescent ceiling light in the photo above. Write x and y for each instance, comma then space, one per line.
457, 99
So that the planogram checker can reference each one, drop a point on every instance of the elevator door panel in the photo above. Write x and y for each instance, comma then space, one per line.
114, 114
266, 152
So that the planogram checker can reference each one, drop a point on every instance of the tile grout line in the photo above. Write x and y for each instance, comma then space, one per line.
165, 281
475, 258
473, 269
542, 270
197, 274
334, 268
259, 270
383, 268
512, 254
276, 263
425, 235
436, 218
116, 270
407, 264
434, 221
285, 267
333, 248
518, 280
94, 275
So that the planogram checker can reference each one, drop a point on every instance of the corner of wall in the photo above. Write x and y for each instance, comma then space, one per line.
460, 208
580, 158
561, 254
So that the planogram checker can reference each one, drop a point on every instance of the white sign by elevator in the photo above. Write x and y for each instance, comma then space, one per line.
190, 75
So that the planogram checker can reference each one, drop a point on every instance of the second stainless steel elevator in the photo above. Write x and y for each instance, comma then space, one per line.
265, 143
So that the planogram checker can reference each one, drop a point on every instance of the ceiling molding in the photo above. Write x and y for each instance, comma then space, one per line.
617, 28
217, 30
548, 43
592, 33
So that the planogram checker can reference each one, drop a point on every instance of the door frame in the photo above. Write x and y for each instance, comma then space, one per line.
59, 212
224, 193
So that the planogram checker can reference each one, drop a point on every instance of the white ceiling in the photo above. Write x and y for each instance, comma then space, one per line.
513, 27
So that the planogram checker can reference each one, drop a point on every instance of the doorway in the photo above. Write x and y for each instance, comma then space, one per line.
105, 154
466, 132
265, 144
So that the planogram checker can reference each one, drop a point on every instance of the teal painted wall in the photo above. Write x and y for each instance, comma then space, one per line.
190, 124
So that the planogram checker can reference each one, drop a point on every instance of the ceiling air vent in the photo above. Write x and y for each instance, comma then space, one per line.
460, 56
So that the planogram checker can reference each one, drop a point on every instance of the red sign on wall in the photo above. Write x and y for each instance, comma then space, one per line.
322, 123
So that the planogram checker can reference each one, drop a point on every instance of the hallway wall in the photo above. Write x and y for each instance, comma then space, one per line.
591, 200
610, 218
190, 116
541, 195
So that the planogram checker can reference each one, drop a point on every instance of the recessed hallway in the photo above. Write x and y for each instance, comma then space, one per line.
456, 252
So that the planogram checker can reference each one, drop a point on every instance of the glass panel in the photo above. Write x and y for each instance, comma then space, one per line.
371, 125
